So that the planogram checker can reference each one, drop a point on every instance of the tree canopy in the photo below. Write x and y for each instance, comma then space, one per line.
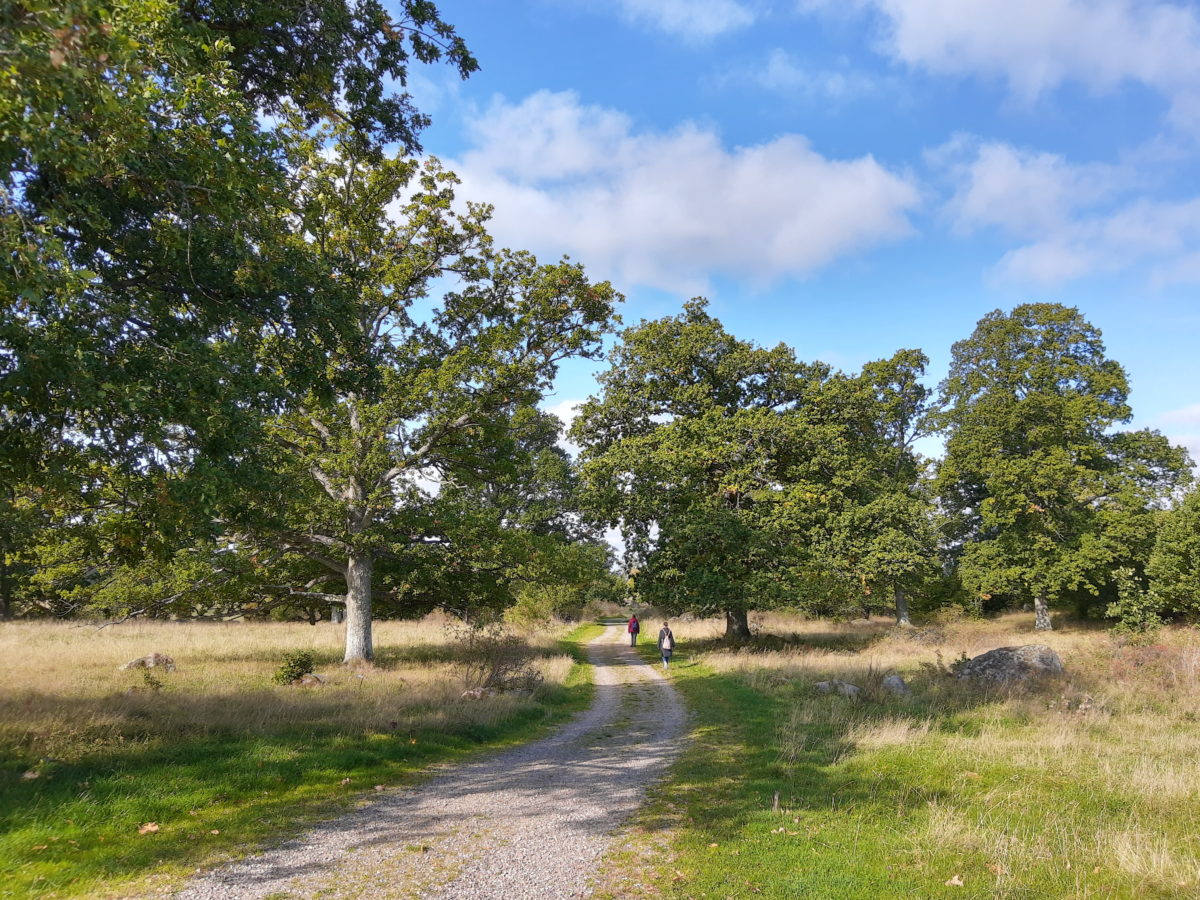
1044, 493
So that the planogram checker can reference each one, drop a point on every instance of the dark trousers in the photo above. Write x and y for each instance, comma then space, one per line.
633, 638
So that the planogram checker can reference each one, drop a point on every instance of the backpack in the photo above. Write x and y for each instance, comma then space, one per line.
668, 641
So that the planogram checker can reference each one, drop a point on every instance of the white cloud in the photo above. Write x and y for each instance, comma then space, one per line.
1021, 191
783, 73
692, 20
1156, 234
1075, 219
1037, 45
566, 411
671, 209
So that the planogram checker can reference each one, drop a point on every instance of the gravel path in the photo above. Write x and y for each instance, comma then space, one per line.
528, 823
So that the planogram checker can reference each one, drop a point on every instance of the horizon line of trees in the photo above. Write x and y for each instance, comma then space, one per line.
746, 479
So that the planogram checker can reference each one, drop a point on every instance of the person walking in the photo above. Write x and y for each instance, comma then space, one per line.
634, 627
666, 643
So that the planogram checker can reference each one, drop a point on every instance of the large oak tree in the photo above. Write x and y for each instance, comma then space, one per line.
1045, 494
446, 338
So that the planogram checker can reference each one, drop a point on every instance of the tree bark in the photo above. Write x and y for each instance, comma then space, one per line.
5, 589
737, 625
1041, 611
901, 606
359, 569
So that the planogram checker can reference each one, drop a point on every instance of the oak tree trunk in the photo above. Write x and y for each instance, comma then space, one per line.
737, 625
901, 606
359, 569
5, 590
1041, 610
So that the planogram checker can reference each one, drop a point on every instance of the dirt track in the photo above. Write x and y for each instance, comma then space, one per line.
528, 823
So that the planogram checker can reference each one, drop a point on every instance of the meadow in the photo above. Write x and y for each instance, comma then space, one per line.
114, 783
1085, 786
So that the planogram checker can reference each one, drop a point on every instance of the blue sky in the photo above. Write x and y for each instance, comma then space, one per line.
850, 176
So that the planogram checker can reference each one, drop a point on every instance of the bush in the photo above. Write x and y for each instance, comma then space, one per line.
295, 664
498, 660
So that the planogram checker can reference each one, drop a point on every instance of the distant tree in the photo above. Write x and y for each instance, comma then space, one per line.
1174, 566
1044, 494
714, 457
882, 538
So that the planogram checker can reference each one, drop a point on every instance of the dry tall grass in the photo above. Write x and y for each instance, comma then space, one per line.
63, 694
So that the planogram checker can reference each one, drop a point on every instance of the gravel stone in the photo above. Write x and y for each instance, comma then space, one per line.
531, 822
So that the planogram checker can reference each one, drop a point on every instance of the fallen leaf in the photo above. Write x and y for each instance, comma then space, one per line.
41, 847
379, 787
956, 881
148, 828
1095, 870
713, 845
57, 57
345, 781
997, 869
215, 831
972, 775
30, 775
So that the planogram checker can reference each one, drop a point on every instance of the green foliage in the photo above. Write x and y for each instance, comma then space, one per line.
743, 478
333, 57
295, 664
1044, 497
1173, 569
161, 293
690, 439
418, 474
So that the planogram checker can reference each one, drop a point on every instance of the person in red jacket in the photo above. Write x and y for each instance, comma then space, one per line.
634, 627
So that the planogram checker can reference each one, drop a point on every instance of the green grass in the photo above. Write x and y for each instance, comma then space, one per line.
900, 815
73, 830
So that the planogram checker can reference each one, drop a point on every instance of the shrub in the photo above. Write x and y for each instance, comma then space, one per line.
295, 664
498, 660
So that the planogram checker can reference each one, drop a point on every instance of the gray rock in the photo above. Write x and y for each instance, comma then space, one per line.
837, 686
478, 693
1012, 664
150, 661
895, 684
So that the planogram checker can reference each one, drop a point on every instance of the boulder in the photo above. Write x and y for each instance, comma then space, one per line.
151, 661
895, 684
1012, 664
837, 686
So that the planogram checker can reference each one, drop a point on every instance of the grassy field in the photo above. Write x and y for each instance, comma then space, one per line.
1084, 787
109, 786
